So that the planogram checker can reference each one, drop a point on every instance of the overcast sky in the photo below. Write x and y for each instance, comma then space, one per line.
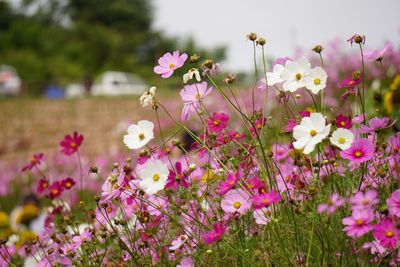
285, 24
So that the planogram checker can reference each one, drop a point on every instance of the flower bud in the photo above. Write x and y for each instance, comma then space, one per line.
318, 49
252, 36
194, 58
94, 169
260, 41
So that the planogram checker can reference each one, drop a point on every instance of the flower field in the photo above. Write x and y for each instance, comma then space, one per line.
299, 169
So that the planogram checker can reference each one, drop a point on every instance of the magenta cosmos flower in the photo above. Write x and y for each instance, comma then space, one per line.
230, 182
217, 232
168, 63
361, 150
177, 178
375, 124
236, 200
377, 55
35, 161
364, 200
70, 144
266, 199
217, 122
386, 232
191, 96
358, 223
55, 190
343, 121
334, 202
394, 203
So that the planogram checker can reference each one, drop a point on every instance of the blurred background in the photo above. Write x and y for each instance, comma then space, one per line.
80, 65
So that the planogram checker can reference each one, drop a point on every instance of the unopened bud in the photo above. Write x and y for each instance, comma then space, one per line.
318, 49
252, 36
260, 41
194, 58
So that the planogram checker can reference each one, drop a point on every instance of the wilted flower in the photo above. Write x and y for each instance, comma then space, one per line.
168, 63
148, 97
139, 135
189, 75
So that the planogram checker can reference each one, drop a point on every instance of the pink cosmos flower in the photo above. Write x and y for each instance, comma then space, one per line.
280, 151
387, 233
55, 190
186, 262
394, 143
236, 200
178, 178
266, 199
375, 248
262, 216
85, 236
35, 161
364, 200
68, 183
42, 185
358, 119
334, 202
293, 123
358, 223
70, 144
178, 242
191, 96
375, 124
217, 122
168, 63
358, 38
394, 203
377, 55
343, 121
231, 181
217, 232
361, 150
257, 126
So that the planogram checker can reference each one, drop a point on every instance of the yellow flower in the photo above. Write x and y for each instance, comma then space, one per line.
26, 213
4, 220
26, 237
392, 97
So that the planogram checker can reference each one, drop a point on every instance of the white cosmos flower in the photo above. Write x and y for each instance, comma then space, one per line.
316, 80
189, 75
139, 135
295, 74
154, 176
148, 97
342, 138
311, 131
274, 77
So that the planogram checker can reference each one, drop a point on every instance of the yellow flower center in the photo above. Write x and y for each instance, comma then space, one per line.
365, 202
317, 81
156, 177
237, 205
141, 136
389, 234
109, 210
73, 145
357, 154
115, 186
341, 140
342, 123
171, 66
359, 222
216, 123
298, 76
313, 132
198, 96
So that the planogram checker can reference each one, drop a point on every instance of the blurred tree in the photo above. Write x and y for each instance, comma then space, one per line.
63, 41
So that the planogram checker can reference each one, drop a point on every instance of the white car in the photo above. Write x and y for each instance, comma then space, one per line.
10, 83
114, 83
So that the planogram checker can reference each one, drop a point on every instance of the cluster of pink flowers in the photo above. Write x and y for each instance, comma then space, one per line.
239, 176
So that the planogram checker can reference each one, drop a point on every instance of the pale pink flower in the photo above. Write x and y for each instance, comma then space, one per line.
168, 63
236, 200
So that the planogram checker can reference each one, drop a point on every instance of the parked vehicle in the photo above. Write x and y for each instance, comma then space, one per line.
10, 83
113, 83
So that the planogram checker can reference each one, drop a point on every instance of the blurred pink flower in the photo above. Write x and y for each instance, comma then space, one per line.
36, 160
334, 202
70, 144
266, 199
236, 200
217, 232
191, 96
358, 223
377, 55
393, 203
363, 200
168, 63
